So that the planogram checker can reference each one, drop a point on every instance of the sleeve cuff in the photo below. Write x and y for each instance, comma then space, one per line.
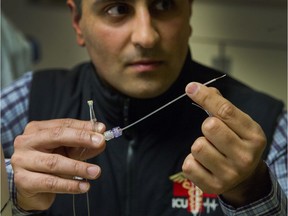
275, 203
16, 210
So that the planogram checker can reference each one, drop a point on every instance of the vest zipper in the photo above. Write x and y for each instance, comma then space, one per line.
129, 158
129, 180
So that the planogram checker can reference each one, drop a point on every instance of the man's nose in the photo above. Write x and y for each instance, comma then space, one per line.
144, 32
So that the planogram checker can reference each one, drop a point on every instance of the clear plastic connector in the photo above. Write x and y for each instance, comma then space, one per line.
113, 133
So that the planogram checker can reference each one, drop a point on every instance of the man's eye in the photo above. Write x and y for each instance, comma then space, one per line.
118, 10
164, 4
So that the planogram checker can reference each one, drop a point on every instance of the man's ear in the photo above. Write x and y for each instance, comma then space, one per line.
76, 17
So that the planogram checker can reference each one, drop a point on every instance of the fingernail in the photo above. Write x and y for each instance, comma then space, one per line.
96, 139
93, 171
100, 127
84, 186
192, 88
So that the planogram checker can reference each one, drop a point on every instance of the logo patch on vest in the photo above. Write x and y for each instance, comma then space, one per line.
188, 196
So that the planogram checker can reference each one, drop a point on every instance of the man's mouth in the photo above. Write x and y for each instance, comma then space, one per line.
145, 65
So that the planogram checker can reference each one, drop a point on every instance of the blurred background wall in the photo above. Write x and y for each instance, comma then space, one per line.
245, 38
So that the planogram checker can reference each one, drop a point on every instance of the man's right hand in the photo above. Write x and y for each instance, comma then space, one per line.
49, 154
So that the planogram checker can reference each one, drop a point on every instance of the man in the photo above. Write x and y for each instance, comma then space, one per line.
139, 61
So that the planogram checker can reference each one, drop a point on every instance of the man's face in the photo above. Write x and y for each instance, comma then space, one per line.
137, 46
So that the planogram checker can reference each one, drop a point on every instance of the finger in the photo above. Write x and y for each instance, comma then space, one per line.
197, 173
221, 108
208, 156
34, 183
222, 137
220, 167
60, 136
58, 165
204, 179
70, 144
36, 126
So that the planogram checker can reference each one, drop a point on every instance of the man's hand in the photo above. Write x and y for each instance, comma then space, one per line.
47, 157
227, 159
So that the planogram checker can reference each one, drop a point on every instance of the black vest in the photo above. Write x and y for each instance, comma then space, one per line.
141, 170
